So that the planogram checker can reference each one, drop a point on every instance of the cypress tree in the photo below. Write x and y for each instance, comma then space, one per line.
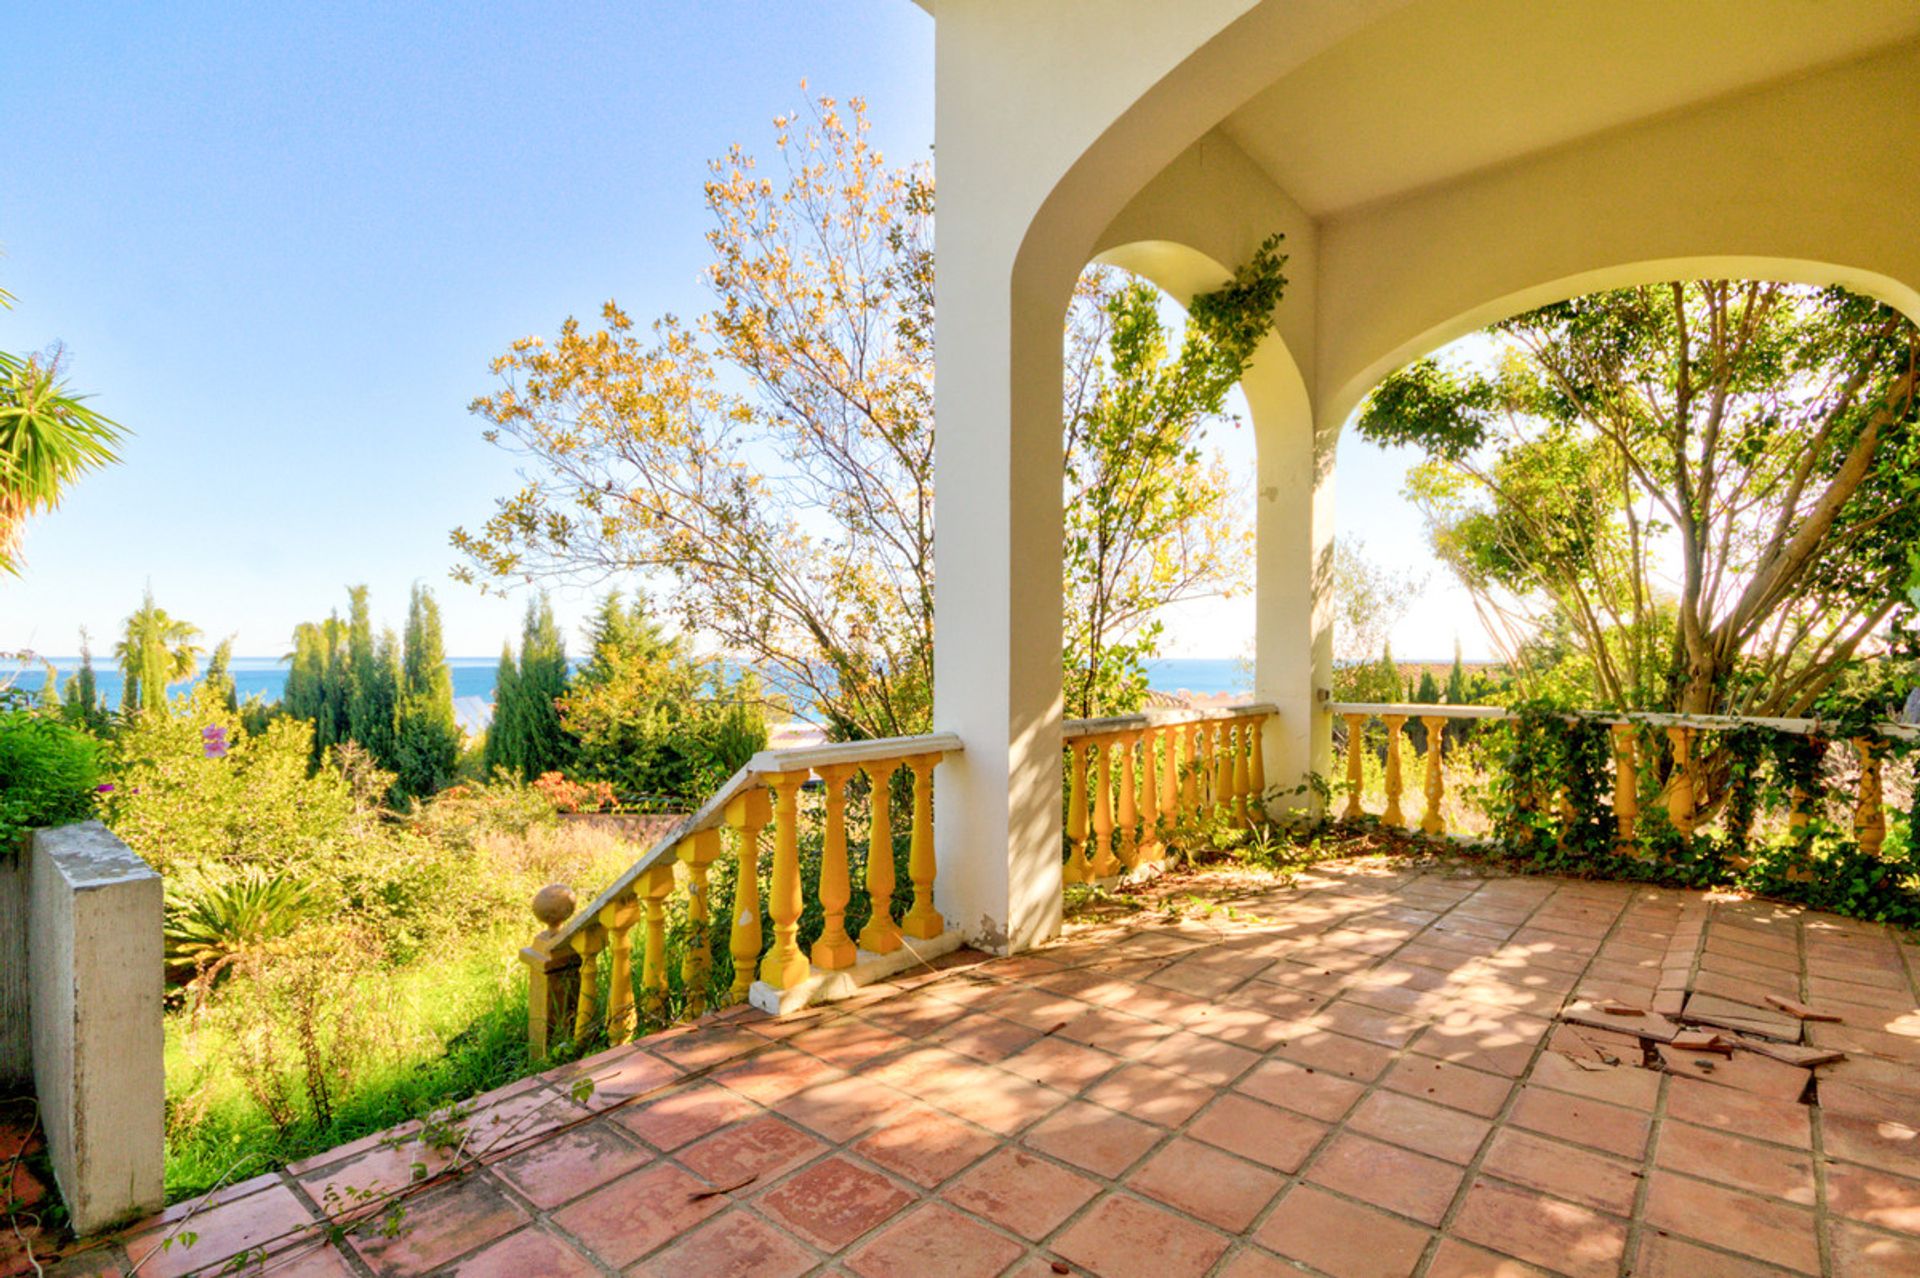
49, 698
219, 677
426, 738
373, 682
1457, 679
1429, 692
83, 708
527, 737
503, 733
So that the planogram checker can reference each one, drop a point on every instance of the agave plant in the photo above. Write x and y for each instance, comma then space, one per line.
212, 921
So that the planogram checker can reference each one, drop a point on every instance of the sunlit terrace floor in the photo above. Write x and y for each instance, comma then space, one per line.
1356, 1075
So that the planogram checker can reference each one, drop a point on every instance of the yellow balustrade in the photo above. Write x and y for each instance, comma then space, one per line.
1356, 771
1626, 787
748, 814
1221, 748
1870, 813
1078, 868
655, 885
1129, 815
881, 935
1257, 765
618, 917
1243, 738
1195, 766
698, 852
1105, 864
1432, 821
1680, 787
590, 941
1170, 779
834, 950
923, 921
553, 969
785, 966
1393, 816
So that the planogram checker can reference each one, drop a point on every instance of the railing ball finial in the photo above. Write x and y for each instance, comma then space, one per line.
553, 905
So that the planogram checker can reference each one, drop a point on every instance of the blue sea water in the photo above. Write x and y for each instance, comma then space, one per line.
473, 677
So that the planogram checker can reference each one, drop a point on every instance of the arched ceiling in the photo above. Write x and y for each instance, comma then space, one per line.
1436, 90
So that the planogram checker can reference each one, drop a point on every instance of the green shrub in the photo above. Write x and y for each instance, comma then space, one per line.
48, 772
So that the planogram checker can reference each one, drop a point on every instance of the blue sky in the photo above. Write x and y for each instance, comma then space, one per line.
281, 244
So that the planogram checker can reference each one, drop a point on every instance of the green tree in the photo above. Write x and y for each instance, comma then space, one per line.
47, 700
1428, 693
155, 650
1457, 679
1753, 442
527, 736
48, 439
775, 461
218, 679
426, 736
374, 681
83, 706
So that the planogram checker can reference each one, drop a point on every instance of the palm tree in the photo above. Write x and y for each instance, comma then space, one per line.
154, 651
48, 438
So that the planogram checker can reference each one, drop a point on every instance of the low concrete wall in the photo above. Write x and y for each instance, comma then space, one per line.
16, 1041
94, 964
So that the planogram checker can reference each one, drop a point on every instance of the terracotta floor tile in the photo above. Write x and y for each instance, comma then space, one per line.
1859, 1252
1625, 1085
698, 1048
1341, 1238
1608, 1128
1199, 1056
1733, 1160
531, 1251
1564, 1171
935, 1239
848, 1044
1093, 1137
1420, 1126
1726, 1109
1299, 1088
925, 1145
1018, 1191
1279, 1138
735, 1243
1883, 1145
1662, 1255
984, 1037
1336, 1054
1447, 1084
1152, 1094
1387, 1176
1056, 1063
1249, 1262
1455, 1259
685, 1114
1759, 1227
758, 1149
1124, 1237
270, 1215
615, 1076
834, 1202
568, 1164
845, 1108
628, 1218
1206, 1184
438, 1225
1874, 1198
1550, 1232
775, 1074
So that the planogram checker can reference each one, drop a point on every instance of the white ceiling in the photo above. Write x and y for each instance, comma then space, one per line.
1446, 87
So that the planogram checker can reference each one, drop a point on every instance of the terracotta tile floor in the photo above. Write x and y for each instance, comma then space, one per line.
1356, 1076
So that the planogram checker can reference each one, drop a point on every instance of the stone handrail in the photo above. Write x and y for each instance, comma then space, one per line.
562, 960
1680, 795
1152, 771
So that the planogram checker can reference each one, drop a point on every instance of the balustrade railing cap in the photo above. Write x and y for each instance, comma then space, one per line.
1158, 717
1652, 718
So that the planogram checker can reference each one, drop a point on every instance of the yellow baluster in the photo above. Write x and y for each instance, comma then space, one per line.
1170, 779
618, 917
1680, 787
1393, 816
553, 970
586, 1014
1870, 813
881, 935
1356, 742
1196, 770
1129, 807
1626, 787
1221, 739
654, 886
748, 814
923, 921
1149, 807
1432, 821
834, 950
698, 852
1257, 768
1105, 864
1243, 771
1076, 870
785, 966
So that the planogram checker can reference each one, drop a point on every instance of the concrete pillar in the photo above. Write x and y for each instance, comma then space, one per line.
94, 971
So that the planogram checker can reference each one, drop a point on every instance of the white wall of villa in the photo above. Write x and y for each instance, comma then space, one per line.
1435, 165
